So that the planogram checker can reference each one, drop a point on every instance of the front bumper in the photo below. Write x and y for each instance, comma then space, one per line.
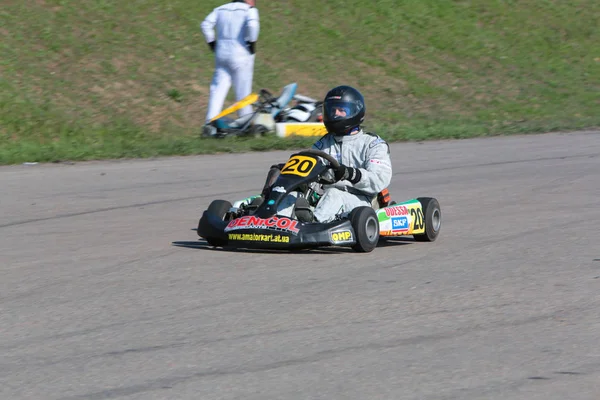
286, 236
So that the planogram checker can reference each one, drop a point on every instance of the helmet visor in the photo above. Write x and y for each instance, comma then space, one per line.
338, 109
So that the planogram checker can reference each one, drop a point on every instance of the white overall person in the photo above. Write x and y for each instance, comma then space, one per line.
231, 32
365, 165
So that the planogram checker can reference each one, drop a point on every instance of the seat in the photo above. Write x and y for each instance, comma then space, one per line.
382, 199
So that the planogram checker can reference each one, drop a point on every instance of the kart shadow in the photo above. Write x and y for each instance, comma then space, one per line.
203, 245
395, 241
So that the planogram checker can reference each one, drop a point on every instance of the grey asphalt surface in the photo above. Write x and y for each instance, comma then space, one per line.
106, 291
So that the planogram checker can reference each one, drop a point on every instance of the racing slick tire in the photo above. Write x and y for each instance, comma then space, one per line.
366, 228
220, 208
433, 219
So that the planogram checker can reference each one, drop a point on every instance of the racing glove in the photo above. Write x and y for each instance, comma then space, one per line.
251, 47
212, 45
350, 174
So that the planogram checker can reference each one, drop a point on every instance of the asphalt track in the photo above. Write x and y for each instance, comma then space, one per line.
106, 292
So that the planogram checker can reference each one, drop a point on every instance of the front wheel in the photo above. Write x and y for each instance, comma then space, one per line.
366, 228
220, 209
433, 219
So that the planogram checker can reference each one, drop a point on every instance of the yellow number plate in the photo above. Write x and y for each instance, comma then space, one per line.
417, 223
299, 165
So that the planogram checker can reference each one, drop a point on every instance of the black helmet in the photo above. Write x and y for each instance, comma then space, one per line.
343, 109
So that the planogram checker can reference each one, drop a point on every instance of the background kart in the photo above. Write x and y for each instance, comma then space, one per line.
253, 222
269, 113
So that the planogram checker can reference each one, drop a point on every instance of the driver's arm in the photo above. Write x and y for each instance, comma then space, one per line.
207, 26
376, 173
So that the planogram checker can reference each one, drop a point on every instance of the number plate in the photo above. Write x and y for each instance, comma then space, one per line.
417, 220
299, 165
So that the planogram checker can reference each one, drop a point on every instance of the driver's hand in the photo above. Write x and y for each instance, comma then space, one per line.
251, 47
350, 174
327, 178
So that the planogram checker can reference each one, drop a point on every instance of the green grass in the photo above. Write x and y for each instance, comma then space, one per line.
107, 79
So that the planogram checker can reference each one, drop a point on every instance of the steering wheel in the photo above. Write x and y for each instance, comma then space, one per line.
334, 163
266, 96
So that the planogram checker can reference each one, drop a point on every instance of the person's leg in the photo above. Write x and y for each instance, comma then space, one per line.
286, 207
242, 76
335, 202
219, 87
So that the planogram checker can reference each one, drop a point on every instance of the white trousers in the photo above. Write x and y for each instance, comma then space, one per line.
238, 71
333, 202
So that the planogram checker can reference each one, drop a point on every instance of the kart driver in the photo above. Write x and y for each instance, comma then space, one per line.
365, 165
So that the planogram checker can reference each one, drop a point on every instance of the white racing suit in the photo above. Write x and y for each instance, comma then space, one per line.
235, 24
365, 151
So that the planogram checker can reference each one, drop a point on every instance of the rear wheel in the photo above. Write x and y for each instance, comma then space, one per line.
433, 219
219, 208
366, 228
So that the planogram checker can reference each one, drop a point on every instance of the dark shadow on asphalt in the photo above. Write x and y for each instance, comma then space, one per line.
395, 241
203, 245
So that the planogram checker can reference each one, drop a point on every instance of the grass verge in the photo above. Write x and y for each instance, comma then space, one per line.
100, 79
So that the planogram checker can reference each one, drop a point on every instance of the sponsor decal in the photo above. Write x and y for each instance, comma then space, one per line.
276, 223
279, 189
255, 237
319, 144
400, 224
396, 211
384, 164
341, 236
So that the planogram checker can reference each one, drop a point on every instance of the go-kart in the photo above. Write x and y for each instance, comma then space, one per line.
254, 222
270, 114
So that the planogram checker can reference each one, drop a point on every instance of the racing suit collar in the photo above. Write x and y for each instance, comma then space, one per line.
348, 138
